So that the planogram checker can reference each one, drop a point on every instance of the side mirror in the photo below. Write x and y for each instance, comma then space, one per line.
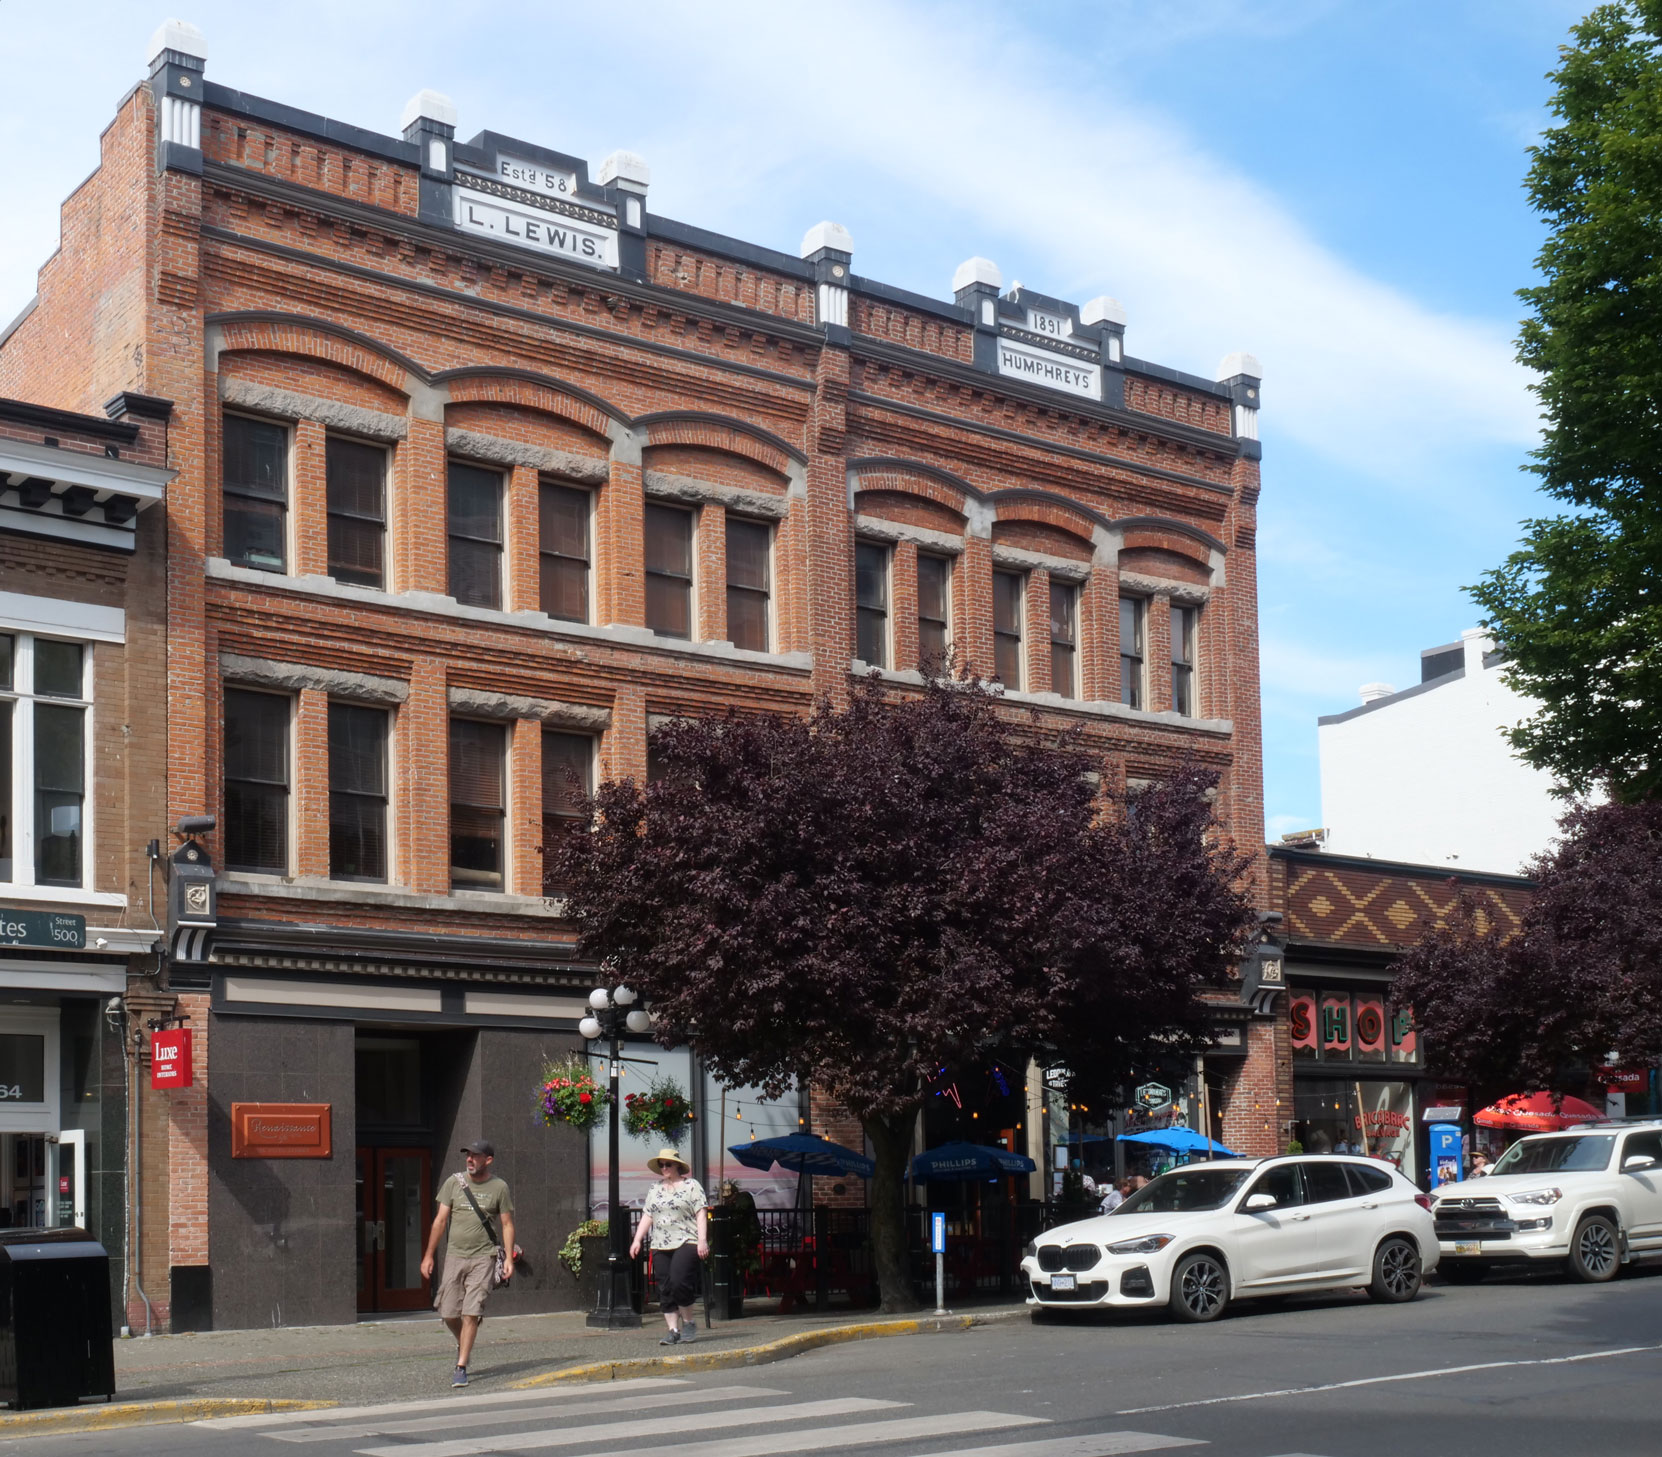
1636, 1161
1255, 1202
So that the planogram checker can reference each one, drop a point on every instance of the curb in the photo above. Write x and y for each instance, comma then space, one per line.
144, 1414
767, 1353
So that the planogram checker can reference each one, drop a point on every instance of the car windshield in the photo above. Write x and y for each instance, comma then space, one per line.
1185, 1191
1555, 1155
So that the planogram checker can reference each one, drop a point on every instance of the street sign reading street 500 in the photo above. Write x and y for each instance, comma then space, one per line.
43, 928
1152, 1097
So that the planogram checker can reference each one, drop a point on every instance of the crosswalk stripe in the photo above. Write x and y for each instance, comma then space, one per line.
434, 1403
656, 1427
818, 1439
1100, 1444
462, 1414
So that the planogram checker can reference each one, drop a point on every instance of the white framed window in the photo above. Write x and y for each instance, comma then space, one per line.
45, 769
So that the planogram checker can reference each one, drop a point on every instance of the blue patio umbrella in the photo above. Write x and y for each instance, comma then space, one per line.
1179, 1140
803, 1153
964, 1161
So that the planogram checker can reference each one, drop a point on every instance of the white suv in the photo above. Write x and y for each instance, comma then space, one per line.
1205, 1234
1589, 1198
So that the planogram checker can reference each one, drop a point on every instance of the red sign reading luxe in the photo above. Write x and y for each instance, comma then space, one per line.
170, 1061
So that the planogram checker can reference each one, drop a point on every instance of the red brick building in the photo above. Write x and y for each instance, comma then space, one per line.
482, 467
83, 711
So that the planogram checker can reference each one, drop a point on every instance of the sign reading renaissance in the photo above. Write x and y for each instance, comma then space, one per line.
525, 225
1057, 371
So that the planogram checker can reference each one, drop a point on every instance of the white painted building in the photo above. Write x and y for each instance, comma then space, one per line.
1425, 774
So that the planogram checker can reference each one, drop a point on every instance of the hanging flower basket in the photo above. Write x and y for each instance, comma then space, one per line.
569, 1094
663, 1109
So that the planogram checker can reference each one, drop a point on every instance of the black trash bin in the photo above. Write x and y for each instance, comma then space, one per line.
56, 1342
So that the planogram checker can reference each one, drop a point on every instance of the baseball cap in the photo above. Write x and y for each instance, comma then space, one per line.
481, 1146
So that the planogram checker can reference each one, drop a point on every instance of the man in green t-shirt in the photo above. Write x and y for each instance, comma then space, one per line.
470, 1252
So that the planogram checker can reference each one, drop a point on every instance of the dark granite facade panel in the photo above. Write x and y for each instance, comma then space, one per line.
282, 1241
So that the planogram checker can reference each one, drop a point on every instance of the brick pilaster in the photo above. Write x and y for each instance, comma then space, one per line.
903, 604
424, 775
419, 512
188, 1146
972, 605
1037, 630
710, 574
311, 783
309, 518
523, 589
525, 808
1157, 646
619, 524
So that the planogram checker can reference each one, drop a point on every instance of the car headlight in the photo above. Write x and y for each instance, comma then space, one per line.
1147, 1245
1536, 1196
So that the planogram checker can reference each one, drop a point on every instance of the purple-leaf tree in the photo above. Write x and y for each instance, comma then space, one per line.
857, 899
1580, 979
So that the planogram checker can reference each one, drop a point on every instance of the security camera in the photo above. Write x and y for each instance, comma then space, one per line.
195, 825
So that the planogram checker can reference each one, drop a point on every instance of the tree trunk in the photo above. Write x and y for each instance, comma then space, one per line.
891, 1143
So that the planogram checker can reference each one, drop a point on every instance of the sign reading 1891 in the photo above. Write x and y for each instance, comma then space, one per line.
43, 928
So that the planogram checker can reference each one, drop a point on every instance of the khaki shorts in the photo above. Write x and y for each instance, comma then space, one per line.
464, 1286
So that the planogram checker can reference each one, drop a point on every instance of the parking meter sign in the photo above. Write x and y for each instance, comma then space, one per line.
937, 1234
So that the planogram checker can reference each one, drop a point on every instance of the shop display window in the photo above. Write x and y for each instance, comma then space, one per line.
1356, 1116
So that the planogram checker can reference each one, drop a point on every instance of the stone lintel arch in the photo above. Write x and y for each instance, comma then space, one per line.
311, 338
724, 433
488, 384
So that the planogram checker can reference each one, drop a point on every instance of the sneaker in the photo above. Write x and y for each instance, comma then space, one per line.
689, 1333
670, 1339
460, 1378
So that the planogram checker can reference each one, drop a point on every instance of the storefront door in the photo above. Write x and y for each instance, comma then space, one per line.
394, 1211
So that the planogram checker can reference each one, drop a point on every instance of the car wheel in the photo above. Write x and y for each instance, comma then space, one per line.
1199, 1288
1396, 1272
1595, 1252
1457, 1273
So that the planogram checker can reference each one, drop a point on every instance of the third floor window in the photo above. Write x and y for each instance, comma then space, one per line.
748, 583
1008, 590
669, 548
255, 461
1064, 639
357, 489
1183, 620
934, 612
563, 585
1132, 617
474, 524
871, 603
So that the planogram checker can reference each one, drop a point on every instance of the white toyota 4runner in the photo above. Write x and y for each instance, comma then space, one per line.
1589, 1198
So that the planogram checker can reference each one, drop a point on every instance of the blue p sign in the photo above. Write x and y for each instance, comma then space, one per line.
937, 1234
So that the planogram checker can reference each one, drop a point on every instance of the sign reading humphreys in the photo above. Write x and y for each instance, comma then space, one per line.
540, 221
1058, 371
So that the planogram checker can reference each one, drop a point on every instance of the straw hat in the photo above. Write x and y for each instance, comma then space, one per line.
668, 1156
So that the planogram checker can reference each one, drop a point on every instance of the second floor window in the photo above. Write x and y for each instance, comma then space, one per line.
1183, 621
43, 759
474, 509
255, 459
748, 583
563, 568
1008, 589
478, 804
256, 833
669, 534
934, 612
871, 603
1131, 652
357, 792
1064, 639
567, 781
357, 488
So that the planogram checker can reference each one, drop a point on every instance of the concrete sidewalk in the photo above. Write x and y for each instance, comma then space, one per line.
386, 1360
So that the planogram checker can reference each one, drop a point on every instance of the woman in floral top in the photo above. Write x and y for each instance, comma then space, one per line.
675, 1218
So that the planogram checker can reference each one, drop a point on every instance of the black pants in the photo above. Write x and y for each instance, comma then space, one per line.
678, 1276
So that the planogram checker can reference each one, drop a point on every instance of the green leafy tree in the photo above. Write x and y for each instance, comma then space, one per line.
860, 899
1577, 610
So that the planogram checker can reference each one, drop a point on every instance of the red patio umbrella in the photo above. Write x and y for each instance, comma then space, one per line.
1535, 1113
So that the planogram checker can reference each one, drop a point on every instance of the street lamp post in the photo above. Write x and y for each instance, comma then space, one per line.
612, 1014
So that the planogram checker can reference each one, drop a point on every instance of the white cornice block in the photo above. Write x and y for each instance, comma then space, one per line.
827, 235
977, 270
1103, 310
428, 106
1234, 364
176, 35
627, 170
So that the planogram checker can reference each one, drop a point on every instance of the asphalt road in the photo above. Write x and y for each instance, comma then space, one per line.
1527, 1367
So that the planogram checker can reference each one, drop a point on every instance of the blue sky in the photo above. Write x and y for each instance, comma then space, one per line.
1335, 187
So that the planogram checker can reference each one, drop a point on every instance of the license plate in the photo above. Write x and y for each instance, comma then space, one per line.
1062, 1282
1467, 1247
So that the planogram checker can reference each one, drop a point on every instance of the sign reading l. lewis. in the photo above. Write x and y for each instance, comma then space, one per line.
1057, 371
43, 928
526, 225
